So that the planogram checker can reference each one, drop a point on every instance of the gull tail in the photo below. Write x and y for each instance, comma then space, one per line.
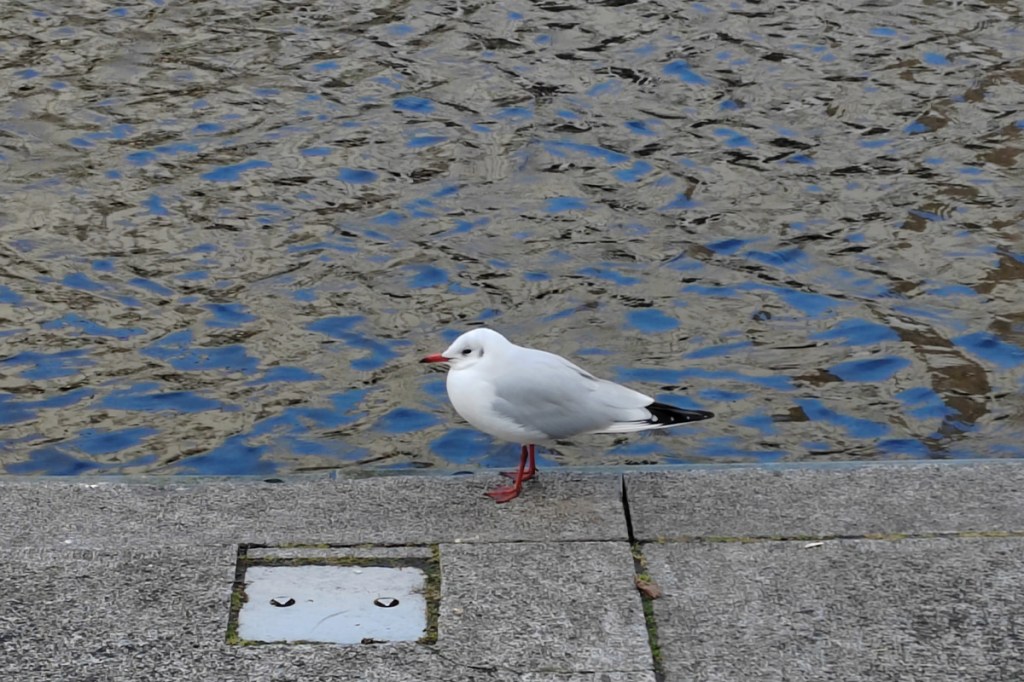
663, 415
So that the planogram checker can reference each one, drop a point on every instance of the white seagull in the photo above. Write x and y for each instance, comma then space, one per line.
530, 396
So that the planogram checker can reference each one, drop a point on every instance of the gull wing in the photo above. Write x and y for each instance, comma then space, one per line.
549, 394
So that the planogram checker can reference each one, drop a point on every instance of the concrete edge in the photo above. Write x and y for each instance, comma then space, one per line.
616, 470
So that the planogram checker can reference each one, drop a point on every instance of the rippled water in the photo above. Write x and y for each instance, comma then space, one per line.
228, 230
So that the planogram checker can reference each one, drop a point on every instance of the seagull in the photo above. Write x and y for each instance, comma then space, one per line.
530, 396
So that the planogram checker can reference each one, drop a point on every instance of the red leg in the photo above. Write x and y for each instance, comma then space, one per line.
510, 493
531, 467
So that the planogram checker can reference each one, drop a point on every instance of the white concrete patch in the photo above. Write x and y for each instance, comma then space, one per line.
339, 604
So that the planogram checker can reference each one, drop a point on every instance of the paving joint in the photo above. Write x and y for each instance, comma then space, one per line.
644, 584
648, 593
880, 537
625, 508
238, 597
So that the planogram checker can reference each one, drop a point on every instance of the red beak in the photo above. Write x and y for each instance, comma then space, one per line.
436, 357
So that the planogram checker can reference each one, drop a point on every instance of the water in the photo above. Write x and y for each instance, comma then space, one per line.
228, 230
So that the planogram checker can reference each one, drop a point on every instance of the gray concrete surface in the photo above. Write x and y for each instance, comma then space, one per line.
936, 609
829, 501
391, 510
566, 606
128, 580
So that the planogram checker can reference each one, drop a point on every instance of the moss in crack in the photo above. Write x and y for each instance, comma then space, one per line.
890, 537
432, 596
643, 578
652, 635
238, 597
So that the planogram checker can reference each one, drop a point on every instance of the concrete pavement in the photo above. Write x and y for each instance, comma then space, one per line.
909, 571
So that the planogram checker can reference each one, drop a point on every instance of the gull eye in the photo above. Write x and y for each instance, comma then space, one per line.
467, 351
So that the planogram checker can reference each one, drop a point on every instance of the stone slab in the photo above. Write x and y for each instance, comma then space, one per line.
394, 510
852, 500
111, 614
937, 609
161, 614
557, 607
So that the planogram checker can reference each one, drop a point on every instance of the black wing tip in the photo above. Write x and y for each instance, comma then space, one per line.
662, 413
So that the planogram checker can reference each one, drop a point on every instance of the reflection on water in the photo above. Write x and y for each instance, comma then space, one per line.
229, 229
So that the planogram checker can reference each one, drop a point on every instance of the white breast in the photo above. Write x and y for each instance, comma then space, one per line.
472, 397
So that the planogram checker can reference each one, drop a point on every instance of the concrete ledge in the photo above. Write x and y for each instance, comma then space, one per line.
794, 502
393, 510
133, 580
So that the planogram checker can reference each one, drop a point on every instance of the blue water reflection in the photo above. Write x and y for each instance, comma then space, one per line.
228, 315
233, 172
343, 328
356, 176
416, 105
990, 348
99, 442
77, 322
234, 456
288, 374
855, 426
8, 295
55, 462
13, 411
148, 397
869, 369
924, 403
211, 275
177, 350
404, 420
49, 365
857, 332
651, 321
684, 72
462, 446
732, 447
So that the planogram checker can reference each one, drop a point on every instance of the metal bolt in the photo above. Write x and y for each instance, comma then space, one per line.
281, 601
385, 602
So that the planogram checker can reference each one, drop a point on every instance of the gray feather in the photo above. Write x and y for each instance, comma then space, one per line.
561, 400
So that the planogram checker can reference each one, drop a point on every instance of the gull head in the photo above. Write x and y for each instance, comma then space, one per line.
470, 348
